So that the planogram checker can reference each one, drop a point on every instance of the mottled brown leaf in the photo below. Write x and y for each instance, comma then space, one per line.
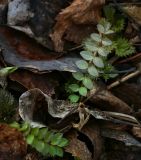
77, 147
12, 144
84, 12
92, 131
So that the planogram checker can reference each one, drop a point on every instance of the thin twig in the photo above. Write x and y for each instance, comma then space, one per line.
124, 79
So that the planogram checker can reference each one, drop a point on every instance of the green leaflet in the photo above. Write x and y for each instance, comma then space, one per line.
74, 98
87, 82
83, 91
82, 64
78, 76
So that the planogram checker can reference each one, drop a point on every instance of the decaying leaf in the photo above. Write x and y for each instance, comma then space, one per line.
114, 117
136, 132
12, 144
129, 93
92, 131
121, 136
105, 100
79, 12
23, 52
34, 107
77, 147
30, 80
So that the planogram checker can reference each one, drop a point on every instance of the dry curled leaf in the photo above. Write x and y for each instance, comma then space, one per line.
12, 144
92, 131
37, 107
79, 12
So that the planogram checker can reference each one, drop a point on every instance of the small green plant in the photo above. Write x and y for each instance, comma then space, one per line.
45, 141
117, 21
7, 106
94, 63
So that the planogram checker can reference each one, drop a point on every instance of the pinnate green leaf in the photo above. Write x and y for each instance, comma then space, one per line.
52, 150
87, 82
45, 151
74, 87
102, 52
64, 142
82, 64
83, 91
96, 37
86, 55
35, 131
42, 132
59, 152
15, 125
39, 145
91, 47
78, 76
30, 139
93, 71
98, 62
106, 42
24, 127
74, 98
49, 135
100, 28
57, 138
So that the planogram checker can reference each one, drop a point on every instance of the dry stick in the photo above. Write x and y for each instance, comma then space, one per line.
116, 83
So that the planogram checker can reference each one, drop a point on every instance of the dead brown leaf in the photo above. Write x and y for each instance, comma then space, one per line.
129, 93
92, 131
30, 80
136, 132
77, 147
121, 136
79, 12
12, 144
106, 101
23, 52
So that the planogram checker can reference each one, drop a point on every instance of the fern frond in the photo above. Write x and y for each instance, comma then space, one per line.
123, 47
45, 141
